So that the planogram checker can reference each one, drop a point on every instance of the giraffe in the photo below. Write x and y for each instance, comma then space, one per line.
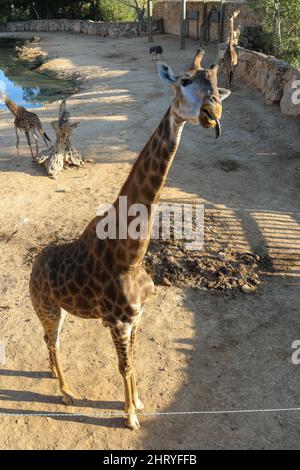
196, 64
230, 56
98, 277
25, 121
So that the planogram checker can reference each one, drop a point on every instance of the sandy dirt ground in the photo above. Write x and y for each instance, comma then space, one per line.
199, 350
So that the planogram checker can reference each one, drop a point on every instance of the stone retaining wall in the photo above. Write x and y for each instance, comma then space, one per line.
100, 28
274, 78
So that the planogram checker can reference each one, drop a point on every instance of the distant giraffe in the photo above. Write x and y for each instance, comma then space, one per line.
230, 56
93, 277
25, 121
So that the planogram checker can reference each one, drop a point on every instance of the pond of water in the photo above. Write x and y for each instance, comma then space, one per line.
25, 86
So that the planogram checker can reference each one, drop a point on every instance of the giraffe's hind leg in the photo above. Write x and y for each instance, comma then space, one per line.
17, 146
52, 325
36, 138
52, 365
29, 143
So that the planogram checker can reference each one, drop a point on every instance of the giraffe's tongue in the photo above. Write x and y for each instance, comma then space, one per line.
218, 129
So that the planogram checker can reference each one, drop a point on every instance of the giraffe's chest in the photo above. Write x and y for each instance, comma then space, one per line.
104, 294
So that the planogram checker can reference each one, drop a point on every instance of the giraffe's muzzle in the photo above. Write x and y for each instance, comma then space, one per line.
210, 116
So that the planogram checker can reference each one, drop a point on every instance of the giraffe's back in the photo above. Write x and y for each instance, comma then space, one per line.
25, 120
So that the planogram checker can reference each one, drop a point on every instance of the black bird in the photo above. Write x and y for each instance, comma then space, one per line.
154, 50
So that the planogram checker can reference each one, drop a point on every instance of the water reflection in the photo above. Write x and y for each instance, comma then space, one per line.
25, 86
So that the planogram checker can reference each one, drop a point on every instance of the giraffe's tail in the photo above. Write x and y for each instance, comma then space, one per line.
43, 133
46, 137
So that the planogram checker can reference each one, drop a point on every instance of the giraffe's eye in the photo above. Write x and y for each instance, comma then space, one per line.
186, 81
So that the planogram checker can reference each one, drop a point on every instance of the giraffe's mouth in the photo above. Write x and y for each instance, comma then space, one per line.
209, 120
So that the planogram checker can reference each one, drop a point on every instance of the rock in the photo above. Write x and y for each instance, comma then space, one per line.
221, 255
276, 79
165, 281
114, 32
248, 289
290, 102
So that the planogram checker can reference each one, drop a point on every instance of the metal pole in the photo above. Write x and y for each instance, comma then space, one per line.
149, 14
222, 19
203, 37
182, 23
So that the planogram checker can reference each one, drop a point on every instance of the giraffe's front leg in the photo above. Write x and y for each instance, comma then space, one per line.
139, 405
135, 396
121, 334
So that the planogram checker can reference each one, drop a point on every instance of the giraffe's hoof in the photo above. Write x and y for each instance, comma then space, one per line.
139, 405
132, 422
68, 399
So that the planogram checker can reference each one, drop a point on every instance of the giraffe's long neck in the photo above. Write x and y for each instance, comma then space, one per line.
231, 40
13, 107
148, 175
145, 182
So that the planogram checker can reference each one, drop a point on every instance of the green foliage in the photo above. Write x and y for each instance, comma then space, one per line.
286, 45
113, 10
105, 10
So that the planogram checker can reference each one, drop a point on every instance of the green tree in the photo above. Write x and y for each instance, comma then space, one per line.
113, 10
108, 10
282, 24
138, 6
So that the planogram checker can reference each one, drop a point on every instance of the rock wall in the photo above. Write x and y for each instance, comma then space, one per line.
276, 79
100, 28
169, 11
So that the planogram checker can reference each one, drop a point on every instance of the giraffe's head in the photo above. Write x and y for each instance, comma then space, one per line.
233, 15
198, 100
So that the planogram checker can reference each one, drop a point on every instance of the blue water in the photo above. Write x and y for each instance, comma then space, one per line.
19, 94
25, 86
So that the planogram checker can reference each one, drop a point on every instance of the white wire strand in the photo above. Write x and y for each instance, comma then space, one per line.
150, 413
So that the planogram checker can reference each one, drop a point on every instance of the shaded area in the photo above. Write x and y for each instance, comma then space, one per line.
239, 358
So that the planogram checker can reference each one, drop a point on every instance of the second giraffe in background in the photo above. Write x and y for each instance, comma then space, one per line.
231, 56
28, 122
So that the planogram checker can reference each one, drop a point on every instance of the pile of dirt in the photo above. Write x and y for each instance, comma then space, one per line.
218, 266
170, 264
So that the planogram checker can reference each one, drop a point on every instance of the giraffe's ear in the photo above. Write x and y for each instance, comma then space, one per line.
223, 93
165, 73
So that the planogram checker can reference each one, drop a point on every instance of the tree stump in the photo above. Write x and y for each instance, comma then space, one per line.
62, 153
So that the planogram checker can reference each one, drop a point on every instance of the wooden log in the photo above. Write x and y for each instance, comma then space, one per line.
62, 154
